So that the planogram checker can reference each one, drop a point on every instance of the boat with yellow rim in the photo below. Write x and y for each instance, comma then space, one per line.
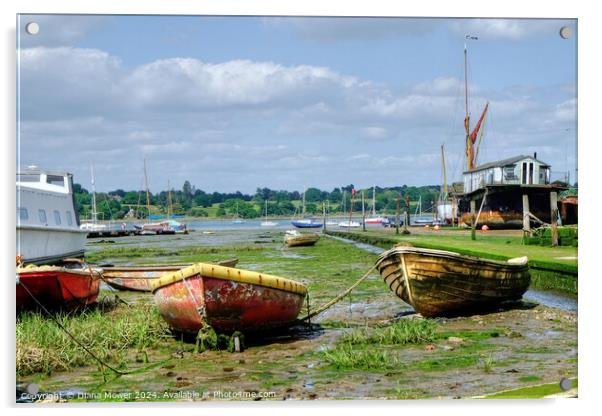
139, 278
227, 299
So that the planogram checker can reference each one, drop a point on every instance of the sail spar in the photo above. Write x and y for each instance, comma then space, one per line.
472, 138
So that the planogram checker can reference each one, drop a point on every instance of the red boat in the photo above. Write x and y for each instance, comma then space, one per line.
66, 288
227, 299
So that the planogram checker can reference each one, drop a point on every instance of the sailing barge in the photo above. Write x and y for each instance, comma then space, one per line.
443, 283
509, 193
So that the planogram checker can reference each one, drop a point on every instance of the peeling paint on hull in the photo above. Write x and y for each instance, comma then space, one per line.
227, 305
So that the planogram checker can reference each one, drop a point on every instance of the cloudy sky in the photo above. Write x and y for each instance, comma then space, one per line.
236, 103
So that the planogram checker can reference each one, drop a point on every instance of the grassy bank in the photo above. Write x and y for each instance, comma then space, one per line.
114, 333
552, 268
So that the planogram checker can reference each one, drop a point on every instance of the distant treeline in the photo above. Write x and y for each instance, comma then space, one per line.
193, 202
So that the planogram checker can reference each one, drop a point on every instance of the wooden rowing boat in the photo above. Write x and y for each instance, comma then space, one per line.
440, 283
55, 287
227, 299
293, 238
139, 278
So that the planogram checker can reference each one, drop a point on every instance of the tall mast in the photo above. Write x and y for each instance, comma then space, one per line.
169, 207
467, 119
94, 213
373, 201
146, 186
444, 190
303, 212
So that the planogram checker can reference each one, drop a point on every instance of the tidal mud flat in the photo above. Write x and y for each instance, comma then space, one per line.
368, 346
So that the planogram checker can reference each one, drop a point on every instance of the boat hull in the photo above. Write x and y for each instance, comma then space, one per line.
299, 224
139, 278
56, 287
441, 283
227, 299
37, 245
298, 240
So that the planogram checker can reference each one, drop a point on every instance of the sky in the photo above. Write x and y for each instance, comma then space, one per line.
236, 103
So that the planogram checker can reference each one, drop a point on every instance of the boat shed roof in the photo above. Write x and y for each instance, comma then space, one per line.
505, 162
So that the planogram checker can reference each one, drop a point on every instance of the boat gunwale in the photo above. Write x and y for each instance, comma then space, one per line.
37, 270
453, 256
229, 274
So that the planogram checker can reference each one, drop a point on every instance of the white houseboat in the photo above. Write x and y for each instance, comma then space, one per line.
502, 185
47, 221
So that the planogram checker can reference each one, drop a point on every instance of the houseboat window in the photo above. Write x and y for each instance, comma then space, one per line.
57, 217
22, 214
69, 217
509, 174
530, 173
55, 180
42, 215
28, 177
543, 175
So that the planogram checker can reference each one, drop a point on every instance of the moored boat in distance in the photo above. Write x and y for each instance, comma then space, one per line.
306, 223
68, 287
349, 224
265, 222
227, 299
375, 220
444, 283
294, 238
139, 278
47, 221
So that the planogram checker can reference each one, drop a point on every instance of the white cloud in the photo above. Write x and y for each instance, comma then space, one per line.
566, 110
241, 124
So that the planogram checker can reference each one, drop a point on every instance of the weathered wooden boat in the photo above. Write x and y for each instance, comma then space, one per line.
442, 283
139, 278
227, 299
55, 287
294, 238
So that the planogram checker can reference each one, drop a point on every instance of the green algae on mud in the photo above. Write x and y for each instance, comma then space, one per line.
534, 392
493, 351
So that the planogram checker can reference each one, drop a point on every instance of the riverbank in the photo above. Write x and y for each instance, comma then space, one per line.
552, 268
369, 346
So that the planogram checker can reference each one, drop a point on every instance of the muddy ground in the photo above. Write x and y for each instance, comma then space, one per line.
522, 345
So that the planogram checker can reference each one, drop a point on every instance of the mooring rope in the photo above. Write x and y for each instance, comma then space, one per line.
339, 297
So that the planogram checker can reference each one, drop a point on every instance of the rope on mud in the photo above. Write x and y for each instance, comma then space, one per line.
339, 297
83, 347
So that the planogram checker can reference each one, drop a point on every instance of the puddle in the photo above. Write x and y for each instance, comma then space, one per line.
553, 300
363, 246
